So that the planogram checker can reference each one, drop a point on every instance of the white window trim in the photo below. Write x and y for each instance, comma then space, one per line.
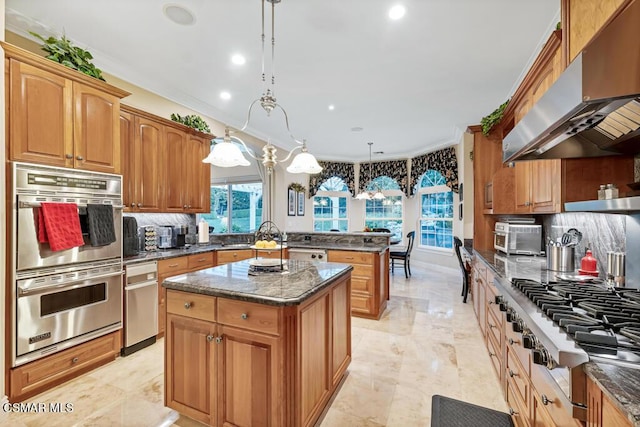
431, 190
324, 193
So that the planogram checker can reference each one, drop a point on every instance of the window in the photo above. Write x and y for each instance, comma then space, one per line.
330, 206
245, 215
436, 211
385, 213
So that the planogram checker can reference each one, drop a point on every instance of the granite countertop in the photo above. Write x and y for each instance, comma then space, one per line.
620, 384
197, 249
301, 281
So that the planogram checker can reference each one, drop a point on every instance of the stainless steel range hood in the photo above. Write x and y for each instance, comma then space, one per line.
593, 109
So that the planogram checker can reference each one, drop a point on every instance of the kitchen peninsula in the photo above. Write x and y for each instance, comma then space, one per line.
267, 349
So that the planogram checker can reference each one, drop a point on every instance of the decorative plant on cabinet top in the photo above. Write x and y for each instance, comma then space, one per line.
64, 52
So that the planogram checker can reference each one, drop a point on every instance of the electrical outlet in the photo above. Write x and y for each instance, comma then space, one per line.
307, 237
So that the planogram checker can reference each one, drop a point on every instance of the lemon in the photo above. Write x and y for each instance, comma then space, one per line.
261, 244
271, 244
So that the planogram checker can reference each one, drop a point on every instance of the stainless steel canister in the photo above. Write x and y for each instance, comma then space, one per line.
561, 258
610, 265
618, 268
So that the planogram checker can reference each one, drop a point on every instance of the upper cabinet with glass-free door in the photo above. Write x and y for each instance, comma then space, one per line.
59, 116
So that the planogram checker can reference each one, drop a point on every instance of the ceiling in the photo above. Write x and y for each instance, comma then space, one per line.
412, 85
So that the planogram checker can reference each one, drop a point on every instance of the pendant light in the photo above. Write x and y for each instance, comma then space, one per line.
368, 195
227, 154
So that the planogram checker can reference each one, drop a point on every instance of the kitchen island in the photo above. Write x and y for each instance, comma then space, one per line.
267, 349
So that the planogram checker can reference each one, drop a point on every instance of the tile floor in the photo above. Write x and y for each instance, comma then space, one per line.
427, 342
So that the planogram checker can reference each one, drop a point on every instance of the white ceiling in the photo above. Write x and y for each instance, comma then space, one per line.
413, 85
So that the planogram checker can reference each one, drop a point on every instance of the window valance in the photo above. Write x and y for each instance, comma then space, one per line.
346, 171
395, 169
443, 161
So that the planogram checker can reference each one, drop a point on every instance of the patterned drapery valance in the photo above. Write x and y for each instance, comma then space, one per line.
443, 161
346, 171
396, 169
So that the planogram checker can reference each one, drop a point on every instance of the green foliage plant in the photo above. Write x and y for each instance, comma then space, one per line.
193, 121
64, 52
488, 122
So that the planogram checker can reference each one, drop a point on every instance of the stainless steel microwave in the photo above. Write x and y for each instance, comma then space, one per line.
520, 239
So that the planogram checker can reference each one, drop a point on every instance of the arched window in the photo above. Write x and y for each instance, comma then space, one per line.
330, 206
386, 213
436, 211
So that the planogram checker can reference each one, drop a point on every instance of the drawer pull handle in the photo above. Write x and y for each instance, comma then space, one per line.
348, 257
512, 412
244, 316
173, 265
74, 360
187, 305
209, 337
201, 260
545, 400
512, 374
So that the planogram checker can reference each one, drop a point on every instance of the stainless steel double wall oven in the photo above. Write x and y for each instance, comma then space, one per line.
62, 298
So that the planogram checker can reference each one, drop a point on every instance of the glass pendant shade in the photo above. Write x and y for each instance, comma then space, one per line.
364, 196
378, 195
226, 155
304, 163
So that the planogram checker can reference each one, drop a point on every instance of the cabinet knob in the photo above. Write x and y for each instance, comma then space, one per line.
189, 206
527, 203
209, 337
512, 341
74, 360
491, 326
133, 205
184, 206
139, 205
69, 156
244, 316
491, 354
512, 374
545, 400
218, 340
512, 412
79, 158
187, 305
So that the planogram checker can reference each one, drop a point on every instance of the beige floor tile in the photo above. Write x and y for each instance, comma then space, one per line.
427, 342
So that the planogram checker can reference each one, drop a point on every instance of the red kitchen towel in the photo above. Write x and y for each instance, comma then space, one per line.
61, 226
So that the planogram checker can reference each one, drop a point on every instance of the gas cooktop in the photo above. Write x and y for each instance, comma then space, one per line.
604, 322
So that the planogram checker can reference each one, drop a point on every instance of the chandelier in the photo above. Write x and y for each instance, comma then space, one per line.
369, 195
227, 154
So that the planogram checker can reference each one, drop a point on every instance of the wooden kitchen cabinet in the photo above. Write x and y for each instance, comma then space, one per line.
227, 256
59, 116
536, 186
163, 169
369, 281
601, 412
255, 364
42, 374
142, 142
584, 18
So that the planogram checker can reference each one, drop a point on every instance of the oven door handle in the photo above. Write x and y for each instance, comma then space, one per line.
29, 205
23, 292
141, 285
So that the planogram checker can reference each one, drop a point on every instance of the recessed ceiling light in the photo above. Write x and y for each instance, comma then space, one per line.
238, 59
397, 12
332, 107
225, 95
178, 14
357, 129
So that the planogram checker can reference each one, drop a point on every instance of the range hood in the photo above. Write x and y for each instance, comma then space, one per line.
593, 109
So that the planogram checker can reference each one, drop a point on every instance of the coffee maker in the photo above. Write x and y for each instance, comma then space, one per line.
165, 236
178, 237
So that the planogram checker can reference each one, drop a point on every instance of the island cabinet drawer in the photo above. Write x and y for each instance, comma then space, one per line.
361, 303
517, 375
362, 271
200, 261
173, 266
275, 254
225, 257
352, 257
362, 285
191, 305
247, 315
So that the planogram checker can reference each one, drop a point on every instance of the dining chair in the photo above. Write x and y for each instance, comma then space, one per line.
404, 255
465, 275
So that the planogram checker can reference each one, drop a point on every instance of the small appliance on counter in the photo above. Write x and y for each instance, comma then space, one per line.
165, 235
518, 238
148, 238
130, 240
178, 236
